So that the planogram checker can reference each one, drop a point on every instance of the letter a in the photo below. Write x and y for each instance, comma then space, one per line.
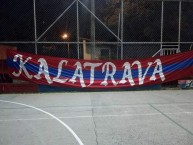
78, 73
43, 69
57, 79
158, 70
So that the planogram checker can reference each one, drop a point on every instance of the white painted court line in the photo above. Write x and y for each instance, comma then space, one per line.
96, 116
140, 105
49, 114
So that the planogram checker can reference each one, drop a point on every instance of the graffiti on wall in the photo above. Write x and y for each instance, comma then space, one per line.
185, 84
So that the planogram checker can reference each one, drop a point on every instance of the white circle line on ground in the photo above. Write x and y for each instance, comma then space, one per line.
56, 118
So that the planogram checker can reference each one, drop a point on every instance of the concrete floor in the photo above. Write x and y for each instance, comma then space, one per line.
102, 118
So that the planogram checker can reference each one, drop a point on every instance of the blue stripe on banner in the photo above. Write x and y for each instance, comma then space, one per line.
178, 66
98, 74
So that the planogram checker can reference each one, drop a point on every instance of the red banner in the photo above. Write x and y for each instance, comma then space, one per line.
99, 74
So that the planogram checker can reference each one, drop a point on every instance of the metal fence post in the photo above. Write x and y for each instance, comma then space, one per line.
162, 27
93, 29
179, 30
35, 26
122, 27
78, 37
118, 45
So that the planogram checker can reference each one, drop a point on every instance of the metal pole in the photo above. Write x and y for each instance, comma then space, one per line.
162, 26
93, 29
179, 30
122, 27
35, 27
118, 45
78, 32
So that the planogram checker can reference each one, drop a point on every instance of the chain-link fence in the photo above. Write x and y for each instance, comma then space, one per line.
97, 29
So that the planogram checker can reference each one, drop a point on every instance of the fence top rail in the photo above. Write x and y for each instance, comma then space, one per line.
54, 42
173, 0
